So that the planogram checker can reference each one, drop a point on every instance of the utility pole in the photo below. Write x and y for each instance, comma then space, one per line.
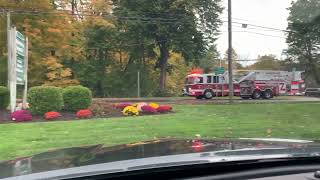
230, 52
8, 48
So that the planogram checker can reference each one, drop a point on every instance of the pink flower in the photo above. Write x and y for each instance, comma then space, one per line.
21, 115
148, 110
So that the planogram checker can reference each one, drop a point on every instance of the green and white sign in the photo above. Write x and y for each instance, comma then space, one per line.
20, 57
18, 65
219, 70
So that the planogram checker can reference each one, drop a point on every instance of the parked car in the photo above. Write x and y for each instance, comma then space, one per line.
315, 92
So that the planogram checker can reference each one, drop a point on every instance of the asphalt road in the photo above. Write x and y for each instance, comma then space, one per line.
219, 100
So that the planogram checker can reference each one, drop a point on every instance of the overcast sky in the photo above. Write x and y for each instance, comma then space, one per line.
269, 13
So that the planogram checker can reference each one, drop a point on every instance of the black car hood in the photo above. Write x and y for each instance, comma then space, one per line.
98, 154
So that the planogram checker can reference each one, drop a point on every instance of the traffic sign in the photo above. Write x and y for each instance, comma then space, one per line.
219, 70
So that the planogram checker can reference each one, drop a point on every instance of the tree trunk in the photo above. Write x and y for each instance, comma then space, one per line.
163, 61
73, 6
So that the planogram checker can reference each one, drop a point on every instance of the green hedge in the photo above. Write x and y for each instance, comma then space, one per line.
4, 97
76, 98
44, 99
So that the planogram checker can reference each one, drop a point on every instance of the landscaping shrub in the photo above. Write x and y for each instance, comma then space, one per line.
164, 108
44, 99
122, 105
52, 115
4, 97
21, 115
76, 98
154, 105
140, 105
148, 110
130, 111
85, 113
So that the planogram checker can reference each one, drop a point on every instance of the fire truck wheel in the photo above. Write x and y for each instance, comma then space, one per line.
256, 94
208, 94
267, 94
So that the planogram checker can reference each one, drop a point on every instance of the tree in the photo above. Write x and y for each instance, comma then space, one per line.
210, 60
303, 36
183, 26
53, 39
266, 62
235, 57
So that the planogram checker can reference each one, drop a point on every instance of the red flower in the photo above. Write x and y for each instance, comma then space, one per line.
85, 113
148, 109
21, 115
52, 115
164, 108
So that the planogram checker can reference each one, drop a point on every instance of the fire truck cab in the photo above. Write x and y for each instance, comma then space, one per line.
208, 86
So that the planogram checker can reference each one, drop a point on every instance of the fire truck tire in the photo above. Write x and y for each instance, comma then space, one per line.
208, 94
256, 94
267, 94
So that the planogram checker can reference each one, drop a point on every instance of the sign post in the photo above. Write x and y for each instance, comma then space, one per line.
12, 61
18, 68
25, 90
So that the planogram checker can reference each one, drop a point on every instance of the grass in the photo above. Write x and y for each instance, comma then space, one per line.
299, 120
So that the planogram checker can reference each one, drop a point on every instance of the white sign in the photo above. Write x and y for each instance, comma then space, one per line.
18, 65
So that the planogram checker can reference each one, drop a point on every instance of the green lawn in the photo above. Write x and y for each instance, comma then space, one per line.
246, 120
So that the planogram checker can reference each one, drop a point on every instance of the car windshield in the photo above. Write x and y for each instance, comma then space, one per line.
85, 82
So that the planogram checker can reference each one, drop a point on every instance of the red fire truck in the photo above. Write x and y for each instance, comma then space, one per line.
247, 84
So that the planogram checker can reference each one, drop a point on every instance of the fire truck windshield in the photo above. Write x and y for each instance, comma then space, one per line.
194, 80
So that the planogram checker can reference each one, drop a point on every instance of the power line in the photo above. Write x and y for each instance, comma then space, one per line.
263, 27
261, 34
131, 18
114, 46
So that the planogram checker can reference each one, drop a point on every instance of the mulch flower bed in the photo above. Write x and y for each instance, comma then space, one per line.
98, 109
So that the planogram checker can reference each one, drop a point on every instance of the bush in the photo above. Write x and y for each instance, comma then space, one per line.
130, 111
85, 113
140, 105
148, 110
76, 98
52, 115
122, 105
4, 97
154, 105
164, 108
21, 115
44, 99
